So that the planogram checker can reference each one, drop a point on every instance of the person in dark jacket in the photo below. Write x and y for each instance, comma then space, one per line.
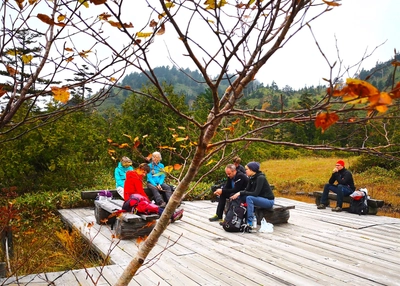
344, 188
258, 192
236, 182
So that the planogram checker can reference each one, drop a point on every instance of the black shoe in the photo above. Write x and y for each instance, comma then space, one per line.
337, 209
214, 218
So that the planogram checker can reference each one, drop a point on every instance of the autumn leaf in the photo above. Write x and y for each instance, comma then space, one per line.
236, 121
380, 102
148, 158
129, 136
69, 49
265, 106
104, 16
331, 3
136, 145
212, 4
113, 79
143, 34
70, 59
120, 25
162, 15
60, 18
153, 24
324, 120
98, 2
20, 4
177, 167
396, 63
178, 139
181, 128
395, 93
60, 93
11, 70
169, 5
13, 53
83, 54
32, 2
140, 239
161, 31
123, 145
168, 169
2, 91
26, 58
84, 3
210, 162
46, 19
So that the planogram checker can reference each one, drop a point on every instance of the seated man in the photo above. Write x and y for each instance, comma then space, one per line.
345, 186
120, 174
155, 180
237, 181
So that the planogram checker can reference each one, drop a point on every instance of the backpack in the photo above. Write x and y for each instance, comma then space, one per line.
139, 204
359, 202
235, 220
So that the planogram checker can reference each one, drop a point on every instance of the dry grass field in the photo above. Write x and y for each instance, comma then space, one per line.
296, 178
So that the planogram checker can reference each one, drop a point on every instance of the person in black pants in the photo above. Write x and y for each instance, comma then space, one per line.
237, 181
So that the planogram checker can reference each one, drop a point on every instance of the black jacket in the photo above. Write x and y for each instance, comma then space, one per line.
343, 177
240, 180
258, 186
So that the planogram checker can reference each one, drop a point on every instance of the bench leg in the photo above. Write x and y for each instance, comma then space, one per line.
274, 217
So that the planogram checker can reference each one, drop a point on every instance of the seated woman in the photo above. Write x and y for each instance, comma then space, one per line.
258, 192
124, 166
155, 180
134, 185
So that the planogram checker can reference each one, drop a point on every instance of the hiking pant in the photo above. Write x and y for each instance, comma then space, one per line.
340, 190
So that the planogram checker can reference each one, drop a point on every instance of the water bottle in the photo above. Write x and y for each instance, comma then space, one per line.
254, 221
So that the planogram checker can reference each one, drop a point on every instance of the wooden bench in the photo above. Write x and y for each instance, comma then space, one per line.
126, 225
277, 215
373, 205
91, 195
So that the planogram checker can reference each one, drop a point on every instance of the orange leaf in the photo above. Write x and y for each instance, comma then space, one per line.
177, 166
2, 91
46, 19
60, 93
104, 16
331, 3
396, 63
395, 93
69, 49
123, 145
324, 120
70, 59
11, 70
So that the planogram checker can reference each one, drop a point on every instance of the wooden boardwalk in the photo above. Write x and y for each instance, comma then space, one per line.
316, 247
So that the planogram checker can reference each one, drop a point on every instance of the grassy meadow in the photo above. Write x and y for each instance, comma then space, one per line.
295, 178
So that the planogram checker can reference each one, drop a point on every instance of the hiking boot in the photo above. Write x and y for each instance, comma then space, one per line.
177, 216
221, 222
214, 218
321, 207
337, 209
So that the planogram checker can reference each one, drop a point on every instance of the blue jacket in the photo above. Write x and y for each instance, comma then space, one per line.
120, 174
156, 176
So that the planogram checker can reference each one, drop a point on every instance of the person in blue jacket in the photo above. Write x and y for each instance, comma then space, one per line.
155, 180
124, 166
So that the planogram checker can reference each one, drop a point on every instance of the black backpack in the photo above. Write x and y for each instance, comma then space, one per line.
235, 220
359, 206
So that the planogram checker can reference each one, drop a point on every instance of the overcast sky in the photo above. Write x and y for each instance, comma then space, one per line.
359, 26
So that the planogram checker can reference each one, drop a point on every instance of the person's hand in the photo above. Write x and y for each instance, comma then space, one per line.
335, 170
159, 187
235, 196
218, 192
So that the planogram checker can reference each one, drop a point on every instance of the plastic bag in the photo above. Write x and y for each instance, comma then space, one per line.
266, 226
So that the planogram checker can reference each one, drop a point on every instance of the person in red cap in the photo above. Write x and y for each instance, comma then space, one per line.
344, 188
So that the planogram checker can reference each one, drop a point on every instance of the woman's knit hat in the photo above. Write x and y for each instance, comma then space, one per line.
254, 166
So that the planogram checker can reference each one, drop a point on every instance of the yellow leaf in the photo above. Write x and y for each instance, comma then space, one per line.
84, 3
168, 169
60, 93
129, 136
143, 34
162, 15
27, 58
178, 139
210, 162
123, 145
169, 5
181, 127
265, 106
144, 136
113, 79
60, 18
13, 52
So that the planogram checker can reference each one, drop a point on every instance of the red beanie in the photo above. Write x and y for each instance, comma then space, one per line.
340, 162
